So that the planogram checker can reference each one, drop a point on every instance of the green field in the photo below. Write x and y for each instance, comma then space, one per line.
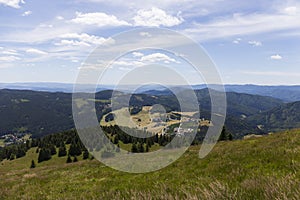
258, 168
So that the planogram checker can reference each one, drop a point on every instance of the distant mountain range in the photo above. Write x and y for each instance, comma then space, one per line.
284, 93
43, 113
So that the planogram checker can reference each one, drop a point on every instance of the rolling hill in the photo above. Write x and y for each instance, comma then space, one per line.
283, 117
258, 168
43, 113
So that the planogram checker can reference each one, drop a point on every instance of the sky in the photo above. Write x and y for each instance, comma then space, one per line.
250, 42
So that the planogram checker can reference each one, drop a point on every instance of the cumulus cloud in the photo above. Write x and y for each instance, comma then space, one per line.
158, 57
83, 39
36, 51
99, 19
27, 13
276, 57
12, 3
140, 60
255, 43
156, 17
137, 54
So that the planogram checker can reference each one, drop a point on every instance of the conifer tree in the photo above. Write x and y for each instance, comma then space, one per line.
134, 148
32, 164
75, 159
62, 151
69, 160
141, 147
85, 155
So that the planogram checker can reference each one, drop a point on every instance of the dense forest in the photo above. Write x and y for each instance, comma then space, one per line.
69, 144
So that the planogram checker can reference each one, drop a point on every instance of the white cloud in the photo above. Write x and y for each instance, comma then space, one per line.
244, 24
83, 39
291, 10
142, 60
27, 13
12, 3
60, 18
99, 19
255, 43
132, 63
237, 41
156, 17
137, 54
72, 43
276, 57
36, 51
8, 52
158, 57
9, 58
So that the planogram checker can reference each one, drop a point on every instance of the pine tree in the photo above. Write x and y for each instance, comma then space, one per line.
62, 151
225, 135
116, 139
141, 147
85, 155
75, 159
134, 148
52, 150
20, 152
75, 149
44, 154
32, 164
230, 137
69, 160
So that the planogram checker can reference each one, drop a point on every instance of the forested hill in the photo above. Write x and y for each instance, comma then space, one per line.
38, 112
283, 117
42, 113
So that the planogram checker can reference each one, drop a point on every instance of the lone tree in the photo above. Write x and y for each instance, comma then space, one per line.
32, 164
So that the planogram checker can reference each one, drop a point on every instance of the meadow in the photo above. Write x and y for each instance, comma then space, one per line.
256, 168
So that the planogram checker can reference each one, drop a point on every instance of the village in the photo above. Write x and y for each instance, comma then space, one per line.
13, 138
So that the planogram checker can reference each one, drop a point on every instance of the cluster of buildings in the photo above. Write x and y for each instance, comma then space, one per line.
13, 138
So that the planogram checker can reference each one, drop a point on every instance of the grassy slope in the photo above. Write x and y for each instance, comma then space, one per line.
259, 168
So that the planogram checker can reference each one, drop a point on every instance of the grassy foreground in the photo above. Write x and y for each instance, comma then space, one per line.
258, 168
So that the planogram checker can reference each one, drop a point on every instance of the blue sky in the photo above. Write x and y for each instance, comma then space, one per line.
251, 42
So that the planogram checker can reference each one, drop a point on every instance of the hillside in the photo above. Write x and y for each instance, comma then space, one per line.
41, 113
36, 112
283, 117
258, 168
285, 93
